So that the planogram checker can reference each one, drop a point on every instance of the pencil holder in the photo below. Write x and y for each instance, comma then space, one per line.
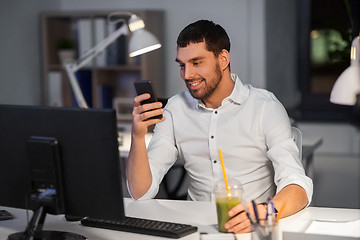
265, 232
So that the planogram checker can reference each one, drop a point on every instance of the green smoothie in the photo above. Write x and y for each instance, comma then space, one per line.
223, 205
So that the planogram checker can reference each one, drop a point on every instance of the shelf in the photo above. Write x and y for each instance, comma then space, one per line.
120, 68
111, 74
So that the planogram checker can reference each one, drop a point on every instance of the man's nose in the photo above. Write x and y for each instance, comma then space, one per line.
189, 72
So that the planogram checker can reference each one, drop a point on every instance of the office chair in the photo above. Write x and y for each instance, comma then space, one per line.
174, 181
297, 136
175, 192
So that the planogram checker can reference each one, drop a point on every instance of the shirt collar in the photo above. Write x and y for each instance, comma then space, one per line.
237, 96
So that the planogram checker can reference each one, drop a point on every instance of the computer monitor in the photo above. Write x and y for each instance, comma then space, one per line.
86, 152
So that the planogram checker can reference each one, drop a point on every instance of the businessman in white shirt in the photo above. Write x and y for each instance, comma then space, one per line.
218, 111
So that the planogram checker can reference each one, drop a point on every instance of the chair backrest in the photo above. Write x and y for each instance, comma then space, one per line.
297, 136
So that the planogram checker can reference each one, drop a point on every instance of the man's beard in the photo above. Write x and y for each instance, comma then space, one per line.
210, 86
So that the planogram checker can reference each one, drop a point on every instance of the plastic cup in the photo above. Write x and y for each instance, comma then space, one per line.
226, 200
265, 232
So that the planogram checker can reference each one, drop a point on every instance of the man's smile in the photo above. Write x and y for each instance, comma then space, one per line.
194, 84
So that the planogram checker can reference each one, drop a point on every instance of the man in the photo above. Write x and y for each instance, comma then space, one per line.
249, 125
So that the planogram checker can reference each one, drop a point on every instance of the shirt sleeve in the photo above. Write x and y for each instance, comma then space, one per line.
162, 153
282, 149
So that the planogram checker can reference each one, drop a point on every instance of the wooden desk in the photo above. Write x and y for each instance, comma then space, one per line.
201, 214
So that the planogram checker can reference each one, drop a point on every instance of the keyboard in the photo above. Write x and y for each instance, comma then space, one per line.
143, 226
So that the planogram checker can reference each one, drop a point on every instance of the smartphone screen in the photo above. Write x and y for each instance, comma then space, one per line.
142, 87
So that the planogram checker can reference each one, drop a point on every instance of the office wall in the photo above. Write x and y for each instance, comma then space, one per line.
243, 20
281, 41
20, 51
20, 62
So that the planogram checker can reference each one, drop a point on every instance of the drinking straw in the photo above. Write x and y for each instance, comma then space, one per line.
225, 178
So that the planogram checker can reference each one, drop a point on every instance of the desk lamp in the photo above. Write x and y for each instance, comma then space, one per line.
141, 41
346, 89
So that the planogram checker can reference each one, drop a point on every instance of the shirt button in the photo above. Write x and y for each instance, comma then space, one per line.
215, 161
215, 112
212, 137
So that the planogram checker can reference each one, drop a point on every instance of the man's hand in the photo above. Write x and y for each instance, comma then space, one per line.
293, 195
137, 167
239, 222
142, 113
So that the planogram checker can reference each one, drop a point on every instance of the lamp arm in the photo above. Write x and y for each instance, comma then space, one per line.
69, 67
74, 66
91, 53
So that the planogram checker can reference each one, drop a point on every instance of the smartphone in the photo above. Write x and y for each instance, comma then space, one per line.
142, 87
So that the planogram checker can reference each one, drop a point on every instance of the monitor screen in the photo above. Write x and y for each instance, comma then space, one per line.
88, 151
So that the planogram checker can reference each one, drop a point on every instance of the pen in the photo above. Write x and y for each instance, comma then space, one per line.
255, 211
247, 213
273, 212
267, 207
269, 214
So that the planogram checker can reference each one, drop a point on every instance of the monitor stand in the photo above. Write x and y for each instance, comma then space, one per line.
34, 230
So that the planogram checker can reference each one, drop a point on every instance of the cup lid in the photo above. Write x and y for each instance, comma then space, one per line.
234, 186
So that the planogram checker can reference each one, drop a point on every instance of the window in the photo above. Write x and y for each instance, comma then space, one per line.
326, 30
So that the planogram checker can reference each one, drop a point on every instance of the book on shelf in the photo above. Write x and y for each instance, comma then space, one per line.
55, 88
89, 32
106, 95
125, 84
84, 78
117, 51
123, 88
100, 34
84, 37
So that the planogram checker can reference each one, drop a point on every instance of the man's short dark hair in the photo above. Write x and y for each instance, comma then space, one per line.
214, 36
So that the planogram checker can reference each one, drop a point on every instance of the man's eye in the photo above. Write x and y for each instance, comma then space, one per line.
196, 63
182, 66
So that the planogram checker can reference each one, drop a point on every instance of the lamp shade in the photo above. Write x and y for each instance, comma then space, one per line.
347, 86
142, 41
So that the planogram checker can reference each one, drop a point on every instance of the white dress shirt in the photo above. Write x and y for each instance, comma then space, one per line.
252, 129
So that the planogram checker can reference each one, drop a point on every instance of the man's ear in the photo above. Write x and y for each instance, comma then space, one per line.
224, 59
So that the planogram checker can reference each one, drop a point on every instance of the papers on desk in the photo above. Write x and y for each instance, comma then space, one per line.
217, 236
349, 228
225, 236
